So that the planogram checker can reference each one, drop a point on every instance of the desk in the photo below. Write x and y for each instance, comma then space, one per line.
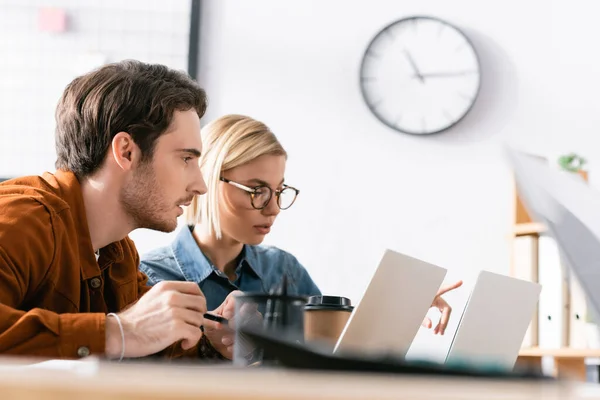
142, 381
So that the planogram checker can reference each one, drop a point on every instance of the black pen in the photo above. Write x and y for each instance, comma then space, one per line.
216, 318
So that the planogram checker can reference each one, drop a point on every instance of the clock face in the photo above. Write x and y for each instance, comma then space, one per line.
420, 75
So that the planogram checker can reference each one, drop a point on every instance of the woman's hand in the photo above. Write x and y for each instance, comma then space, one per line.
221, 336
444, 307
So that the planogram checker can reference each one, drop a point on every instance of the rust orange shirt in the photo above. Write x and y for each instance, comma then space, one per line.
54, 294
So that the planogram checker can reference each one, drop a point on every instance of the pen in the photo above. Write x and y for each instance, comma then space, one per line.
216, 318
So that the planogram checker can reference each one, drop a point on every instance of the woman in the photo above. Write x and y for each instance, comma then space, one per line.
244, 166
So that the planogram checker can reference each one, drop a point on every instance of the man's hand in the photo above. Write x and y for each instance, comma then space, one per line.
168, 312
444, 307
222, 337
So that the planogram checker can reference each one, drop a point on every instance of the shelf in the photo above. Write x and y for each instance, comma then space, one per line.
568, 363
529, 229
559, 353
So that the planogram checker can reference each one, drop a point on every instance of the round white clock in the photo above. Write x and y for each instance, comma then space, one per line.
420, 75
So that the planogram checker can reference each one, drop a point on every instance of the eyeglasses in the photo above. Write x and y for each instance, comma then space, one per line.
261, 195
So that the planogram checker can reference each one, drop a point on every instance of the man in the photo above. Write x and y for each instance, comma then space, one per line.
127, 143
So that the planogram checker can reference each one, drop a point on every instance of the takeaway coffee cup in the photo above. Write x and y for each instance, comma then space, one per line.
325, 318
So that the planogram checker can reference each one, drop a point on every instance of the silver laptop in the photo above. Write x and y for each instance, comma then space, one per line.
389, 315
494, 321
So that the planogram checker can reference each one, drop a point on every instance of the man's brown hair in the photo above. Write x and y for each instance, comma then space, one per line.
128, 96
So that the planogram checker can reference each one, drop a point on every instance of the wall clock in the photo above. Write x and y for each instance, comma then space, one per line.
420, 75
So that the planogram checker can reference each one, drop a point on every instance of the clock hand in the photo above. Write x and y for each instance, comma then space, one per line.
447, 74
414, 66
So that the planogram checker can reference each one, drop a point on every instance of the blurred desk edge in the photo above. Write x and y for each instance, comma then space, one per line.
140, 380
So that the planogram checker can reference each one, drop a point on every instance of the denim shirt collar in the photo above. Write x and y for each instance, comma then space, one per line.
194, 265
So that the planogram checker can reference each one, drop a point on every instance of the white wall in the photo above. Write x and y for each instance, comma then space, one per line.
445, 198
35, 65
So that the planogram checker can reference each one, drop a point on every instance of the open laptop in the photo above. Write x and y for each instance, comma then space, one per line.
389, 315
494, 321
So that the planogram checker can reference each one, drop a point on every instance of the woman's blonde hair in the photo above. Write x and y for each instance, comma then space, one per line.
227, 142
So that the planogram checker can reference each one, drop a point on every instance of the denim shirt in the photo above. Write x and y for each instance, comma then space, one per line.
260, 269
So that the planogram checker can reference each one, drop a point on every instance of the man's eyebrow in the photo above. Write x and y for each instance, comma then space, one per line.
194, 152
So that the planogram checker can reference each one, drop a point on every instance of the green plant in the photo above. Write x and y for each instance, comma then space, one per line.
572, 162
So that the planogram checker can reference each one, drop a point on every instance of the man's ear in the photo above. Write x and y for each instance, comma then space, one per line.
124, 150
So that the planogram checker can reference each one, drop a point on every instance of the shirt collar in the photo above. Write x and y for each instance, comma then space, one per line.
69, 189
194, 265
250, 258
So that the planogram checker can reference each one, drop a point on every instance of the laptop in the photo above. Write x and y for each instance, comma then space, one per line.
389, 315
494, 321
